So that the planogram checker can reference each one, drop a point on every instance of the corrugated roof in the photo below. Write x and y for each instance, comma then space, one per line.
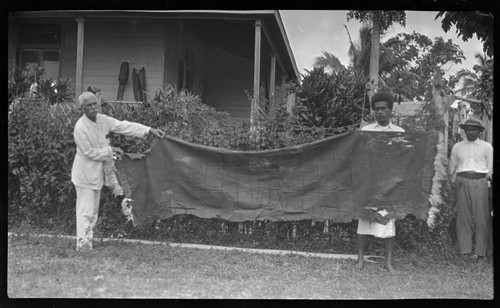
406, 108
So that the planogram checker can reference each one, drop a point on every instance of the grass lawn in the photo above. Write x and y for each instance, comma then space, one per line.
51, 268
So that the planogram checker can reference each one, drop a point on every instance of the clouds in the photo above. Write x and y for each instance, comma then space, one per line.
312, 32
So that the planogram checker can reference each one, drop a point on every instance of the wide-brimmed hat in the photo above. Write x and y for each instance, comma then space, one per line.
472, 122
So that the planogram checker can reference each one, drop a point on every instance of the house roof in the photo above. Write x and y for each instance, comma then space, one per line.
406, 108
229, 24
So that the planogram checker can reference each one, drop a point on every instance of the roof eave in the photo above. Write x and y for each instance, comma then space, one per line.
274, 14
287, 44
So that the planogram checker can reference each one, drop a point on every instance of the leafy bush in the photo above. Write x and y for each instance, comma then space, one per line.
485, 90
20, 81
41, 150
330, 100
55, 91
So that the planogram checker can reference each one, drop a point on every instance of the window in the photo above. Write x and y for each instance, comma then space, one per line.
47, 59
39, 45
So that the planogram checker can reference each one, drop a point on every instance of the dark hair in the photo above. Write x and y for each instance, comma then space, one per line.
383, 96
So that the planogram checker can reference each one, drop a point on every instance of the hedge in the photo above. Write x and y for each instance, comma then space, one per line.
41, 150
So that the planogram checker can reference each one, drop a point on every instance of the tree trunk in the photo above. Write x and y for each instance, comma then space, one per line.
442, 102
374, 59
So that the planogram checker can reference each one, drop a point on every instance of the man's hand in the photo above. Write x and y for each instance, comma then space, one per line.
381, 219
453, 177
117, 153
157, 132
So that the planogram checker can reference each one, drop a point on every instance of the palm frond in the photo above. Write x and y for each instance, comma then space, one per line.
329, 60
463, 73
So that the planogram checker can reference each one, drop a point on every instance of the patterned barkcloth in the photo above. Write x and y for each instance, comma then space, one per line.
336, 178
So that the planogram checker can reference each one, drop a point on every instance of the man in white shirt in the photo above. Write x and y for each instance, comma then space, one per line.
92, 151
471, 167
382, 104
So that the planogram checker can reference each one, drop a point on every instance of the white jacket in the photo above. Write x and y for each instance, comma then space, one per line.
93, 147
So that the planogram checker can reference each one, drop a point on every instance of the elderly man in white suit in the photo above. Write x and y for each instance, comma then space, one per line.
93, 149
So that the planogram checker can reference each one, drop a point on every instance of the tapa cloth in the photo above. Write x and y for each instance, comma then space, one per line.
333, 178
373, 228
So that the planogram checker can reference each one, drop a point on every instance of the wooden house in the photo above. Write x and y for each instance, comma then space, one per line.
218, 55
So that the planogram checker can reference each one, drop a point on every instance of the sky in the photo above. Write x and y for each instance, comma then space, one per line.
312, 32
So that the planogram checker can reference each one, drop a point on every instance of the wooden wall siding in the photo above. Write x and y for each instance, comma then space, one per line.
68, 52
221, 72
173, 45
193, 41
12, 45
67, 49
180, 37
109, 43
228, 76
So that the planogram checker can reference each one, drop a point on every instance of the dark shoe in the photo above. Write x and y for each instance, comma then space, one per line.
480, 258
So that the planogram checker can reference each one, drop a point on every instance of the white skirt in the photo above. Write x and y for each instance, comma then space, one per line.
376, 229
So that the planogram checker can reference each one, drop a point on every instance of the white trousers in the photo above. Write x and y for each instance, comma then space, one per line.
87, 208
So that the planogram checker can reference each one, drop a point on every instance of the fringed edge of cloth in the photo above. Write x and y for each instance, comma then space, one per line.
126, 207
435, 199
110, 179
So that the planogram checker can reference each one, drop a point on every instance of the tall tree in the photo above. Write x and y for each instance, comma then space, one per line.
359, 54
408, 62
469, 23
380, 21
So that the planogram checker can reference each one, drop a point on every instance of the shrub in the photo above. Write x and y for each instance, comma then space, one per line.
55, 91
31, 83
41, 150
414, 234
20, 81
331, 100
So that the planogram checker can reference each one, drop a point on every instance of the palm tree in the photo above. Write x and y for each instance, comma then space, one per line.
380, 20
472, 84
483, 59
329, 61
359, 51
470, 80
359, 54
